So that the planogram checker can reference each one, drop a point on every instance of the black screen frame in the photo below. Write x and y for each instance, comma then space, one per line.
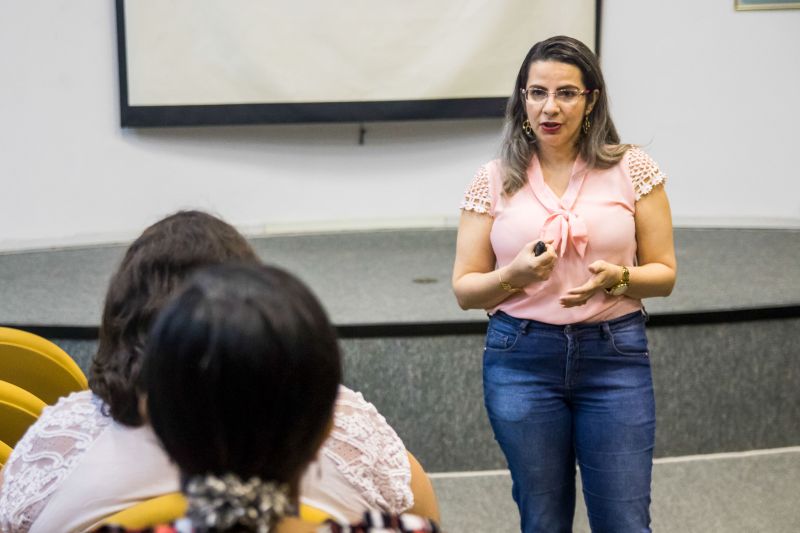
293, 113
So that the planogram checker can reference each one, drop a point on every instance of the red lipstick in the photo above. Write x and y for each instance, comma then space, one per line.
550, 127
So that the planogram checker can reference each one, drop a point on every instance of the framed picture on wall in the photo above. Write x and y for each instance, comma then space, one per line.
206, 62
749, 5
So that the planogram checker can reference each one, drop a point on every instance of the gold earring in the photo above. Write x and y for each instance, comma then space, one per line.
526, 127
587, 124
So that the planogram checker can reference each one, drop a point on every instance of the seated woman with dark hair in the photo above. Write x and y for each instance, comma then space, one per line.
241, 375
90, 455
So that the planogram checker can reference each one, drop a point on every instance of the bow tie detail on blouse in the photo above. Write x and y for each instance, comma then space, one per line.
563, 225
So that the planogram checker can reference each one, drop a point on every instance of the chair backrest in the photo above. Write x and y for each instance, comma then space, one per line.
312, 514
18, 410
158, 510
38, 366
5, 452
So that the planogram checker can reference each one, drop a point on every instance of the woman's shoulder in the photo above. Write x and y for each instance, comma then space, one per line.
480, 195
79, 410
488, 173
368, 453
628, 156
634, 166
492, 170
643, 171
45, 456
72, 420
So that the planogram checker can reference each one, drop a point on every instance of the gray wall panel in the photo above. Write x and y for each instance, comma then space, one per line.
429, 389
721, 387
726, 387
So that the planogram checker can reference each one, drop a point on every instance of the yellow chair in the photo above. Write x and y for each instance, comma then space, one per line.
158, 510
170, 507
38, 366
18, 410
313, 515
425, 502
5, 452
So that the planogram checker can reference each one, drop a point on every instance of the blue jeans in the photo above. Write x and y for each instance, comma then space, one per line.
560, 394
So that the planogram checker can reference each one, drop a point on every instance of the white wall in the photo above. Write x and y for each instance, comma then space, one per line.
713, 93
707, 89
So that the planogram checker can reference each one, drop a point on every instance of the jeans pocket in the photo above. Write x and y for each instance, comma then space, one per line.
501, 337
630, 341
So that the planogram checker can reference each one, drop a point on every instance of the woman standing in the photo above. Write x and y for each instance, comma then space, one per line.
566, 370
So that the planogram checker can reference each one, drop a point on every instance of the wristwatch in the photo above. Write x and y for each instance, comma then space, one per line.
619, 288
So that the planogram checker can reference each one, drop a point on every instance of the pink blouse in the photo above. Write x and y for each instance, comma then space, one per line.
592, 220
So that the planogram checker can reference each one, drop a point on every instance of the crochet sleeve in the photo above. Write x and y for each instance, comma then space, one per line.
369, 454
46, 455
477, 197
644, 172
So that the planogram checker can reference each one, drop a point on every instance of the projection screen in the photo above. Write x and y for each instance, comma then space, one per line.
193, 62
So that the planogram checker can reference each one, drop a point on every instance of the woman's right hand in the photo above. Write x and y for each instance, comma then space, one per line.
527, 268
476, 279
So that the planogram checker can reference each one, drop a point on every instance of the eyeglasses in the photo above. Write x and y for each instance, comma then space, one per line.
535, 95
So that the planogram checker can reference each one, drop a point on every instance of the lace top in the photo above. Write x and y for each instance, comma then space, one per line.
365, 452
643, 171
363, 461
476, 197
46, 454
372, 522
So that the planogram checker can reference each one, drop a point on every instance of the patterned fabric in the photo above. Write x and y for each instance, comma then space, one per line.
225, 501
644, 172
369, 454
46, 455
179, 526
476, 197
373, 522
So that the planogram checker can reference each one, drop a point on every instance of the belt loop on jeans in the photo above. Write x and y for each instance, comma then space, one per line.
523, 326
605, 330
645, 314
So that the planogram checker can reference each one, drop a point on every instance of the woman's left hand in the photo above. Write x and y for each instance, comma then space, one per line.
604, 274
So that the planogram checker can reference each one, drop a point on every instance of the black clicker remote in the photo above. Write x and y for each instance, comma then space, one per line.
539, 248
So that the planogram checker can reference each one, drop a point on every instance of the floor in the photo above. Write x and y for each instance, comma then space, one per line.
746, 492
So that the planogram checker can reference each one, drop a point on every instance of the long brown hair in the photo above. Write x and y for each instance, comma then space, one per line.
152, 268
600, 148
